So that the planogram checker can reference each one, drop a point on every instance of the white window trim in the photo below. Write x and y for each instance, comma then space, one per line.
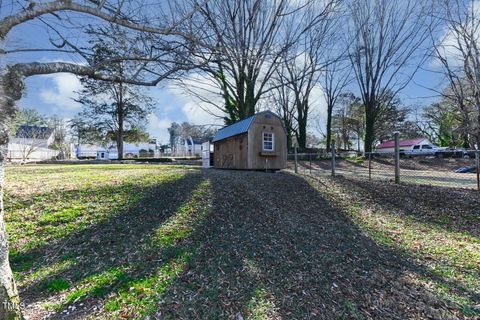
263, 141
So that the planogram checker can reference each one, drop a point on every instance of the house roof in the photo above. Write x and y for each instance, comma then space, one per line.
237, 128
403, 143
33, 132
195, 141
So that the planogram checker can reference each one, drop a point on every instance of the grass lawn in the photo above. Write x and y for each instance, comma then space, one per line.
170, 242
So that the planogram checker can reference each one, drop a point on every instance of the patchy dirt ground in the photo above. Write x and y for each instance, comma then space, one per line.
171, 243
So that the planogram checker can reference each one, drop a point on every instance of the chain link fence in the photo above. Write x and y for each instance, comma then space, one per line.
444, 169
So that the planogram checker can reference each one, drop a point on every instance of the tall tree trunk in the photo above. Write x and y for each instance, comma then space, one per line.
302, 132
369, 126
121, 116
9, 299
242, 112
120, 142
250, 99
329, 126
120, 137
302, 115
478, 126
477, 104
289, 139
466, 124
288, 129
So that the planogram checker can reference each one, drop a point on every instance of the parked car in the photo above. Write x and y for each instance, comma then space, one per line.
455, 153
410, 147
426, 149
466, 170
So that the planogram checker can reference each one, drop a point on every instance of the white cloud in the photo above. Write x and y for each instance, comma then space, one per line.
61, 93
450, 40
318, 111
157, 127
197, 110
197, 113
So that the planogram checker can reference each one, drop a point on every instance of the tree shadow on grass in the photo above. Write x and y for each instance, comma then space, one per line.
106, 256
449, 208
273, 247
268, 246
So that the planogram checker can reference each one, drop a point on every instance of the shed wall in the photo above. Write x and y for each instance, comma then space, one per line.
256, 156
231, 153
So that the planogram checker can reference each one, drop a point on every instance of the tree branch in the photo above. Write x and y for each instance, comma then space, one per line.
39, 9
36, 68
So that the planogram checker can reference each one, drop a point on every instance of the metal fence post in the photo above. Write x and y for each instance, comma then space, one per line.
477, 157
397, 157
296, 159
333, 157
369, 166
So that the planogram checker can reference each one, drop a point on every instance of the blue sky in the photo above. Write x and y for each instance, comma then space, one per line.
52, 94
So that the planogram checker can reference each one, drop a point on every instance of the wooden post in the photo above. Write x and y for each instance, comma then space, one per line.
296, 159
333, 157
477, 157
310, 160
369, 166
397, 157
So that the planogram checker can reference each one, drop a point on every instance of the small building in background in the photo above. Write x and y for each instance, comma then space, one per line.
405, 145
32, 143
258, 142
207, 154
110, 152
188, 147
193, 146
87, 151
103, 154
130, 151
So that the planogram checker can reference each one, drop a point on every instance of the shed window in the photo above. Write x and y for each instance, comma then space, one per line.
268, 141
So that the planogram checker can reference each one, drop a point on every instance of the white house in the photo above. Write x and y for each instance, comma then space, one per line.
130, 150
32, 143
193, 146
189, 147
87, 151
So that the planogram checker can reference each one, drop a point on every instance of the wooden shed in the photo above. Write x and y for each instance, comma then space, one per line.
258, 142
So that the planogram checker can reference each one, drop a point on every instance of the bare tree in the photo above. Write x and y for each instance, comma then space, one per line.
459, 54
128, 14
347, 120
283, 100
303, 64
457, 90
385, 40
334, 79
243, 43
